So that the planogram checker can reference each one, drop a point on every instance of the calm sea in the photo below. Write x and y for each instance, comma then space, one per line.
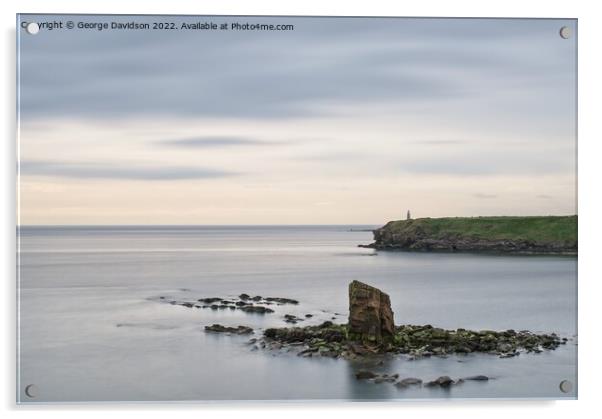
89, 330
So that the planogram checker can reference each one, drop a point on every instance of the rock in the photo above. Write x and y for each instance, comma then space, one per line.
244, 296
365, 375
289, 318
509, 355
281, 300
210, 300
218, 328
477, 378
370, 315
256, 309
409, 382
384, 379
443, 381
504, 347
359, 349
256, 298
307, 351
189, 305
309, 315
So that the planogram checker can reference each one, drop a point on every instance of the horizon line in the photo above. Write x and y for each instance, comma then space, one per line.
278, 225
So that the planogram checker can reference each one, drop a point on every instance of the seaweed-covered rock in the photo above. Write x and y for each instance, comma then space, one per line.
370, 315
218, 328
256, 309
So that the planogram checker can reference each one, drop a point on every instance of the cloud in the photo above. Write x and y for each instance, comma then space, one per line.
484, 195
493, 161
439, 142
324, 61
117, 171
214, 142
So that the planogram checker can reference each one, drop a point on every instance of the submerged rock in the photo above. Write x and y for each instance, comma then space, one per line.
210, 300
406, 382
289, 318
443, 381
476, 378
364, 375
282, 300
256, 309
218, 328
370, 315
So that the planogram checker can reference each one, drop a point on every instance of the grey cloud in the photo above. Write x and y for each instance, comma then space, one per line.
116, 171
214, 142
439, 142
416, 62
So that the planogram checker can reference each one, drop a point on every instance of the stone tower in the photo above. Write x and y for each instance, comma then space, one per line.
408, 216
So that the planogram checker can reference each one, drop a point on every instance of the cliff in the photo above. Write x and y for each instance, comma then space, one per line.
523, 235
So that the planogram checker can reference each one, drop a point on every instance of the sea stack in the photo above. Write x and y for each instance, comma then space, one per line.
370, 315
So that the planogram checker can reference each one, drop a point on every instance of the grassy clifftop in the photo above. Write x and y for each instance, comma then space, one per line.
545, 234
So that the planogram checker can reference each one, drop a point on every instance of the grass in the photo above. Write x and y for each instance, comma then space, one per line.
539, 229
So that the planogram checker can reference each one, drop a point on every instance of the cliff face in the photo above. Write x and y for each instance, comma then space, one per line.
527, 235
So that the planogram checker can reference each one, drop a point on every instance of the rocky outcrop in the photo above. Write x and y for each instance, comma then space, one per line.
414, 342
244, 302
370, 315
520, 235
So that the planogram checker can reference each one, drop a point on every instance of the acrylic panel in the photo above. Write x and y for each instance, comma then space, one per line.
295, 208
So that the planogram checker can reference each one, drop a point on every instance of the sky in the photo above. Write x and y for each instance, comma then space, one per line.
339, 121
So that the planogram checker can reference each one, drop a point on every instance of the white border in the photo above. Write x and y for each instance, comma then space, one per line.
590, 210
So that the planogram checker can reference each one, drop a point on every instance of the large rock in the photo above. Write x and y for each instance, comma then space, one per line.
370, 315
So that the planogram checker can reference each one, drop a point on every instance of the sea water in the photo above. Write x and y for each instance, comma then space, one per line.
90, 328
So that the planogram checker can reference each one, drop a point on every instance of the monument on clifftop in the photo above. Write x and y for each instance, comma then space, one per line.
370, 315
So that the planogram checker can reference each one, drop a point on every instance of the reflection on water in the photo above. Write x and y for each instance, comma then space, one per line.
91, 331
